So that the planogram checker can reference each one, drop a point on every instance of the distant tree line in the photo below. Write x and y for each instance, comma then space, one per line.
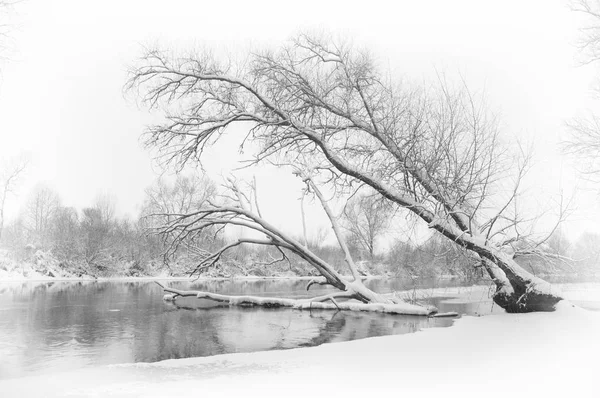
94, 241
91, 241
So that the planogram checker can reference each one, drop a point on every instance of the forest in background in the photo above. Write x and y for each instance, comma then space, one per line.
49, 239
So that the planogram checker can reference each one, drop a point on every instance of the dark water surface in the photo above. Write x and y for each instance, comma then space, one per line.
55, 326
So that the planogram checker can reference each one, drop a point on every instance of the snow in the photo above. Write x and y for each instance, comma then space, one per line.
539, 354
477, 293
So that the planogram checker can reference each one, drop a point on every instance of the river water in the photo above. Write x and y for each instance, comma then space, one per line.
56, 326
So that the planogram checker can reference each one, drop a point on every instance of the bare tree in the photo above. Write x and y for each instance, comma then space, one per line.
94, 234
318, 238
184, 195
368, 218
589, 42
105, 205
583, 142
435, 151
97, 225
41, 208
587, 249
433, 257
65, 233
10, 174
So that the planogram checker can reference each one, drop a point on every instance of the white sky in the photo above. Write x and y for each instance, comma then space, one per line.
61, 99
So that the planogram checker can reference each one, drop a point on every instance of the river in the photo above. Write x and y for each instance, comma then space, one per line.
54, 326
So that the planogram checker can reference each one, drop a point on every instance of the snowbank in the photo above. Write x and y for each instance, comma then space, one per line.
533, 355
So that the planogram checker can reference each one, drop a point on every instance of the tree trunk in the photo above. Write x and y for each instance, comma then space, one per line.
527, 293
517, 290
375, 302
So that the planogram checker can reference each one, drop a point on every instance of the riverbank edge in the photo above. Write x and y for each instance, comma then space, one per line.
474, 358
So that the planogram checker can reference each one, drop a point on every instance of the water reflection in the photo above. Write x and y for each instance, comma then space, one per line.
56, 326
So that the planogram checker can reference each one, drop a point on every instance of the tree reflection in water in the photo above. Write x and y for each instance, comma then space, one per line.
54, 326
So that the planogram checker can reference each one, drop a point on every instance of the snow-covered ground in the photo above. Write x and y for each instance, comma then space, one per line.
575, 292
526, 355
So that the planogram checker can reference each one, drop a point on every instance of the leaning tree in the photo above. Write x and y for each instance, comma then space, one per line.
432, 150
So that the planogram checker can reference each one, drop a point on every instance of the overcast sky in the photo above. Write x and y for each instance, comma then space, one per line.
61, 99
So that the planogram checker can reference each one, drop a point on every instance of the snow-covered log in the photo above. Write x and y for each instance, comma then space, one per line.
325, 302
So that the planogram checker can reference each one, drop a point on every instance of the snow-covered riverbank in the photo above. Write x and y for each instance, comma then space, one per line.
533, 355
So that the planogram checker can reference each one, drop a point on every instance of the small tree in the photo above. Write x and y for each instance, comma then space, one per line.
105, 205
587, 249
165, 201
367, 218
182, 196
97, 226
40, 209
66, 242
95, 239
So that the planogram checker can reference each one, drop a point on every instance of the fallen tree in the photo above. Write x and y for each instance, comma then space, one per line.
357, 297
315, 303
435, 152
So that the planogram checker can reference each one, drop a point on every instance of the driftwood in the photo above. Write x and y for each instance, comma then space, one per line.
451, 314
